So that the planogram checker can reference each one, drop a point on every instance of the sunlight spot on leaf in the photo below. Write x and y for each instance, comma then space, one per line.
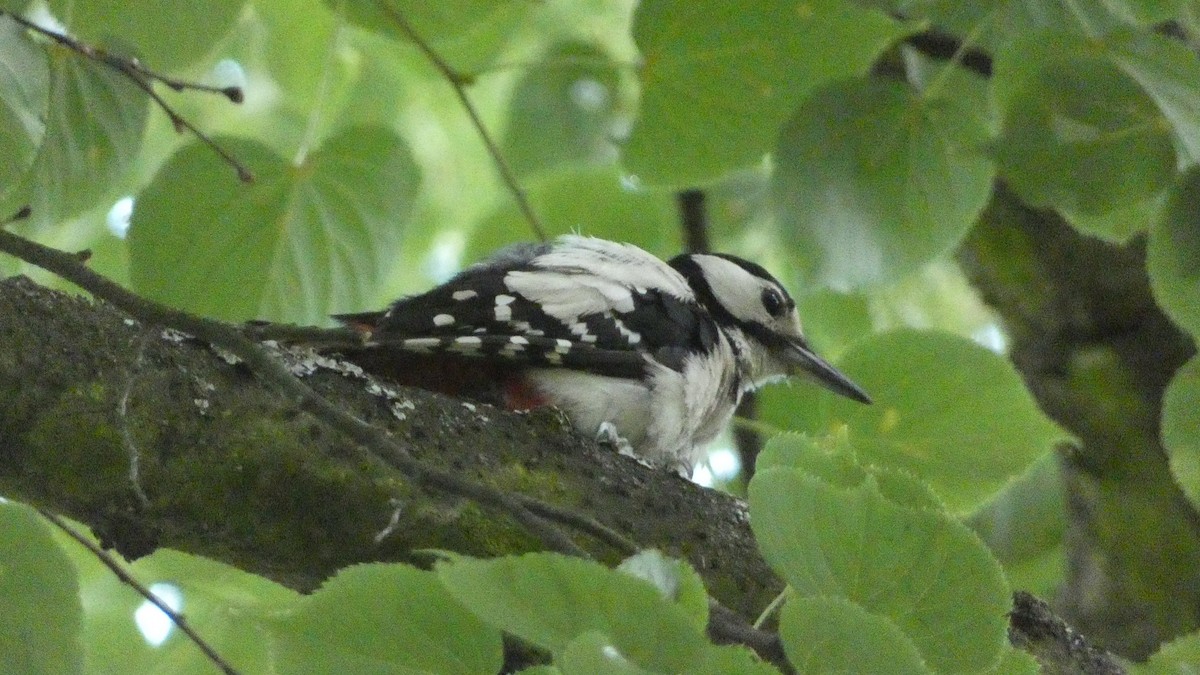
724, 464
229, 73
992, 338
155, 625
118, 217
445, 257
589, 94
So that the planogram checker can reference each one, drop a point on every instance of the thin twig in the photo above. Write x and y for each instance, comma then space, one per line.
144, 78
227, 337
459, 82
128, 579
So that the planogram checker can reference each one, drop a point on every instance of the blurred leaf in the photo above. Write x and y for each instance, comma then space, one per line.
564, 111
833, 321
24, 92
300, 242
837, 467
465, 33
1170, 73
929, 388
1013, 661
596, 202
995, 24
1181, 428
93, 133
1173, 254
592, 653
924, 571
719, 78
1024, 526
1122, 223
872, 181
675, 579
1078, 134
385, 618
550, 600
732, 660
227, 606
164, 34
834, 635
1178, 657
40, 622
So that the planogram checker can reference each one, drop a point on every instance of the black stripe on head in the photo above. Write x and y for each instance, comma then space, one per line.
760, 272
687, 266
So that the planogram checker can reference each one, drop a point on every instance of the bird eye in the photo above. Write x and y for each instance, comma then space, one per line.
773, 302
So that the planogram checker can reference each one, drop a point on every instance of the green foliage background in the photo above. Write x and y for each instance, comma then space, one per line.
891, 524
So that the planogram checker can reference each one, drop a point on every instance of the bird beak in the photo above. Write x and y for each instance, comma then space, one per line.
801, 360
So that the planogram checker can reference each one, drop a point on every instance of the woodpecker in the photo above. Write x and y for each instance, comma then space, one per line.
658, 352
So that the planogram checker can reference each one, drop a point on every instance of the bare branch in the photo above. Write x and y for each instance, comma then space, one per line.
144, 79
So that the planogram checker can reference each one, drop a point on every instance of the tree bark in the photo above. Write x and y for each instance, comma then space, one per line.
1097, 353
154, 439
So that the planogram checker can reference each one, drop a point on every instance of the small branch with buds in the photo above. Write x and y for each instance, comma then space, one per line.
144, 79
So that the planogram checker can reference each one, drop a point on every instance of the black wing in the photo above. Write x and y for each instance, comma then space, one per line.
476, 315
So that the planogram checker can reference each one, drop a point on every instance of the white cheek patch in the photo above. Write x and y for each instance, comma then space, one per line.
737, 290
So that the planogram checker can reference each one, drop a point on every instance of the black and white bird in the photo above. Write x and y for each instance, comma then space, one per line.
658, 352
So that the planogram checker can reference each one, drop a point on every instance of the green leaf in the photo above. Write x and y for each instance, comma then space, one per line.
93, 133
732, 660
1024, 526
550, 600
301, 242
719, 78
1181, 656
836, 466
40, 623
595, 202
922, 570
1123, 222
994, 24
385, 618
675, 579
464, 33
194, 28
565, 111
1181, 428
1078, 134
1170, 73
592, 653
24, 92
872, 181
230, 608
1013, 661
946, 410
834, 635
1173, 254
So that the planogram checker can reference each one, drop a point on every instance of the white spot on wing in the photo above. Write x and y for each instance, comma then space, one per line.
502, 300
464, 295
443, 320
503, 312
421, 345
562, 346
